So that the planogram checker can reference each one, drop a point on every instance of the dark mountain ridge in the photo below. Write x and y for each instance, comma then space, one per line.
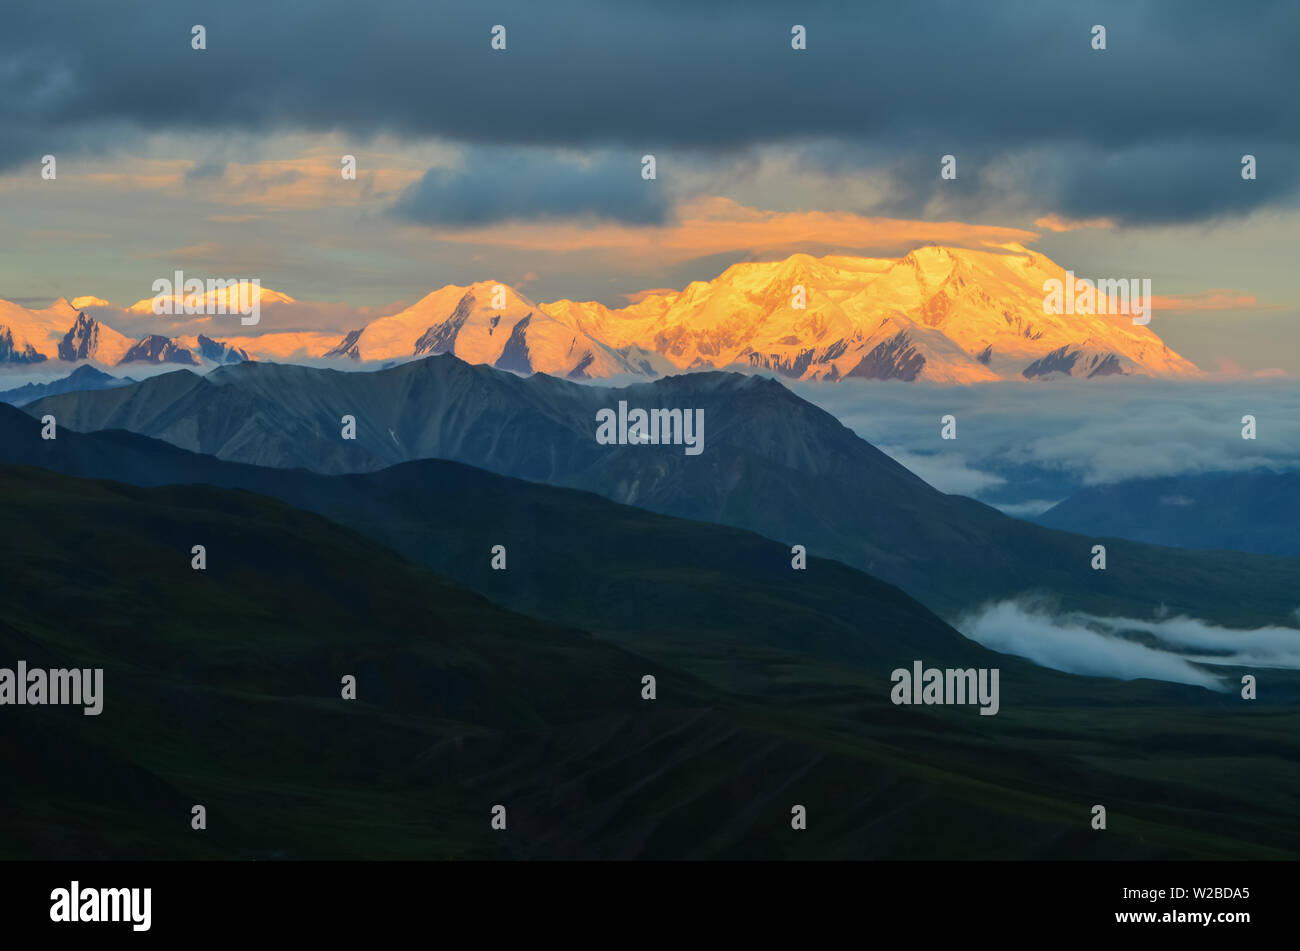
771, 463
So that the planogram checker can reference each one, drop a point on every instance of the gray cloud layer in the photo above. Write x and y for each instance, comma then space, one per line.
1016, 443
1150, 130
498, 185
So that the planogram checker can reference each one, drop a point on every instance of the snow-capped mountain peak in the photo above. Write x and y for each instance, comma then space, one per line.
219, 299
486, 322
942, 314
88, 339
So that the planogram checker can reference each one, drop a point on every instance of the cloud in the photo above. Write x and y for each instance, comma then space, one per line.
1170, 182
1212, 300
945, 471
1026, 509
206, 249
494, 185
1103, 646
206, 171
1058, 224
78, 77
1048, 440
304, 181
714, 225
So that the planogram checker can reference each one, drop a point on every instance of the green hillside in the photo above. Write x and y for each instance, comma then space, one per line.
222, 688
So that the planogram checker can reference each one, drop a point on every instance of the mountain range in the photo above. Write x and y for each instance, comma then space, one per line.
833, 612
222, 685
938, 314
63, 332
772, 463
84, 377
1239, 511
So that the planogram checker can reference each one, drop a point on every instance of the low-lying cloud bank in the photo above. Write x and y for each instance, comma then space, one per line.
1079, 643
1017, 443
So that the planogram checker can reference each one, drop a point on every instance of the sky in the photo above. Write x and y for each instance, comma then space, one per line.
524, 164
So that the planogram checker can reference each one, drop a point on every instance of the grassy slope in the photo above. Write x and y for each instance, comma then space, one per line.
222, 688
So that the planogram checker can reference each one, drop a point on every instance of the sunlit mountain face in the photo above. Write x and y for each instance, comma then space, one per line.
937, 314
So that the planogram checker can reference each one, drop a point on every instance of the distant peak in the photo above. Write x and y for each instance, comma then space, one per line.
78, 303
88, 372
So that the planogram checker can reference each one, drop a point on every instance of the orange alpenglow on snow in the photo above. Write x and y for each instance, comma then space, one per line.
945, 315
937, 314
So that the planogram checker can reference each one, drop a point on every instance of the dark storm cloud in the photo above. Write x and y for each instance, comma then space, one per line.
1196, 83
500, 185
1171, 183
